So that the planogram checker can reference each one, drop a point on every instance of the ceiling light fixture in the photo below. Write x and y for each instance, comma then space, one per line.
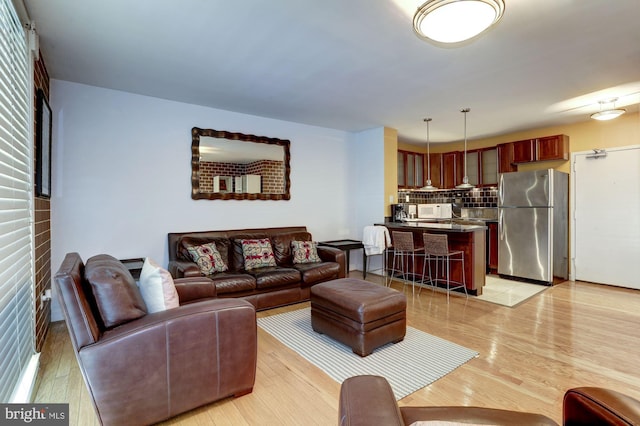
453, 21
465, 180
608, 114
428, 186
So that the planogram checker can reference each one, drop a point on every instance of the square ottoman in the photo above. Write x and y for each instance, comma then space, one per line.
358, 313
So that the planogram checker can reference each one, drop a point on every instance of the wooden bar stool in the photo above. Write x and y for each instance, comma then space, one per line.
436, 247
403, 250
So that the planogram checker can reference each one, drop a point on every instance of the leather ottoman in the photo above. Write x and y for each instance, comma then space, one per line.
358, 313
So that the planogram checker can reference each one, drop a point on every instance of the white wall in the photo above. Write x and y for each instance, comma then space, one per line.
122, 175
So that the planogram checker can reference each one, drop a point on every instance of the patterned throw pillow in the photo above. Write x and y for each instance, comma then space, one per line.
257, 253
208, 258
305, 252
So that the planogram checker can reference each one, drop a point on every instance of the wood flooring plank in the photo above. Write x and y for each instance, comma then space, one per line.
571, 334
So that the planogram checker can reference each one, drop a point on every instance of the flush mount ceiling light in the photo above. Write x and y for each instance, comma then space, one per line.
428, 186
453, 21
465, 180
608, 114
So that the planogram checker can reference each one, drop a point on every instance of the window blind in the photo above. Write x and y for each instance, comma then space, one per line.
17, 327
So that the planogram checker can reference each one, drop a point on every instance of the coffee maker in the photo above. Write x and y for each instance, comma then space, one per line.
398, 212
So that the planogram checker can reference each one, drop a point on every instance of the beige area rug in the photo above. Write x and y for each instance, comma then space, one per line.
508, 292
417, 361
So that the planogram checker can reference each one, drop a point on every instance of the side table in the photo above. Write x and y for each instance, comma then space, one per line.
134, 266
347, 246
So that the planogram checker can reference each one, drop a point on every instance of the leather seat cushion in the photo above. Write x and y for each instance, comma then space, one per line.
272, 277
232, 282
316, 272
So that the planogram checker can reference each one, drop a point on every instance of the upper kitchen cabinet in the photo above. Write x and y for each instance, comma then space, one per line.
489, 166
410, 170
505, 158
451, 170
541, 149
435, 169
553, 148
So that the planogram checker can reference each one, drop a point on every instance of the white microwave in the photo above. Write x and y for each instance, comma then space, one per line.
434, 211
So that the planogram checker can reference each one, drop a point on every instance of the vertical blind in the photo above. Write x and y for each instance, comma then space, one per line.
16, 187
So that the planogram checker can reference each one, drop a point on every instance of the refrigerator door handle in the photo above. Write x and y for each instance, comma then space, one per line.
500, 225
500, 190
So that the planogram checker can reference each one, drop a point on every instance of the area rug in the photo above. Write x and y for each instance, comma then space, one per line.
508, 292
417, 361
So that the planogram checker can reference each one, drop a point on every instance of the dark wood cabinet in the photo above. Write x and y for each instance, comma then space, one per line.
505, 158
435, 165
524, 151
492, 251
552, 148
450, 169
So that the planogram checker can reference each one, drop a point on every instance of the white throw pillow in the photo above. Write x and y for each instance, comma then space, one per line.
157, 288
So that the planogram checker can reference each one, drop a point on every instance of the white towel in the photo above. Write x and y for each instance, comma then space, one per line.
375, 239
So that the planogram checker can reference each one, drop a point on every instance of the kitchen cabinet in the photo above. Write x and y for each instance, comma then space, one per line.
482, 167
410, 169
552, 148
524, 151
473, 167
492, 247
435, 165
541, 149
451, 170
505, 158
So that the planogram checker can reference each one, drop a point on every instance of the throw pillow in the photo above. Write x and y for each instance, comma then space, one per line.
208, 258
257, 253
305, 252
116, 294
157, 288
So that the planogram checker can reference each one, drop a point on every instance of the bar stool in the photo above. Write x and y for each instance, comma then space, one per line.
403, 250
436, 247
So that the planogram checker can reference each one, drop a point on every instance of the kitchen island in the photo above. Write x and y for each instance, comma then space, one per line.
468, 238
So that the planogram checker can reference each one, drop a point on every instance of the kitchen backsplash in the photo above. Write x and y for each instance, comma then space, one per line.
477, 197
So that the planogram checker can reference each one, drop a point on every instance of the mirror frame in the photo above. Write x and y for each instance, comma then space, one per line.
240, 137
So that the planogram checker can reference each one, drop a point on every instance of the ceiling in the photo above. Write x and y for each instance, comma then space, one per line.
352, 64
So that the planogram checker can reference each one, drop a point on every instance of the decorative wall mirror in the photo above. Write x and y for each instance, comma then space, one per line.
235, 166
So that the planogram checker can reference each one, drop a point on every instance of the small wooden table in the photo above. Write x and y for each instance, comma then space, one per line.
346, 246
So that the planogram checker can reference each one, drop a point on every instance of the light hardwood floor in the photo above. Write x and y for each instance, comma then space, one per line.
572, 334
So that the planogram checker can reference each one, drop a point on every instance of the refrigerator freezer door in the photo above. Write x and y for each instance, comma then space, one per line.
524, 243
525, 189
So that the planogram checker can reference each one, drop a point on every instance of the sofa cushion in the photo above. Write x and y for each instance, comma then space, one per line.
116, 294
317, 272
257, 253
282, 245
208, 258
272, 277
226, 282
157, 288
305, 252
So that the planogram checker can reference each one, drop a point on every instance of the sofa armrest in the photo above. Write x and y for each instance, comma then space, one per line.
184, 268
171, 361
194, 288
593, 405
332, 254
368, 400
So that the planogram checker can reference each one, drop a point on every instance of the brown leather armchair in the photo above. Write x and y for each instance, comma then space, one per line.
369, 400
153, 367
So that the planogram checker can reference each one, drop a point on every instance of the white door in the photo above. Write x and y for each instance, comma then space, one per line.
606, 205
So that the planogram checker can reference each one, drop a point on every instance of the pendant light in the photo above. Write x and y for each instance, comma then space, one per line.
428, 186
465, 180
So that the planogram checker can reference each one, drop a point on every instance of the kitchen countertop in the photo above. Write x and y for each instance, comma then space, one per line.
453, 227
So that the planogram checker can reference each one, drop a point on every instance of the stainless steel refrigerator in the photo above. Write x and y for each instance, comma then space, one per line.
533, 241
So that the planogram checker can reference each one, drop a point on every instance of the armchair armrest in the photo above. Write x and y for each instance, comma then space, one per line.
368, 400
183, 268
592, 405
168, 362
194, 288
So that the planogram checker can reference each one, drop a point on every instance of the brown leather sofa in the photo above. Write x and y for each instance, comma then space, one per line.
267, 287
369, 400
144, 368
